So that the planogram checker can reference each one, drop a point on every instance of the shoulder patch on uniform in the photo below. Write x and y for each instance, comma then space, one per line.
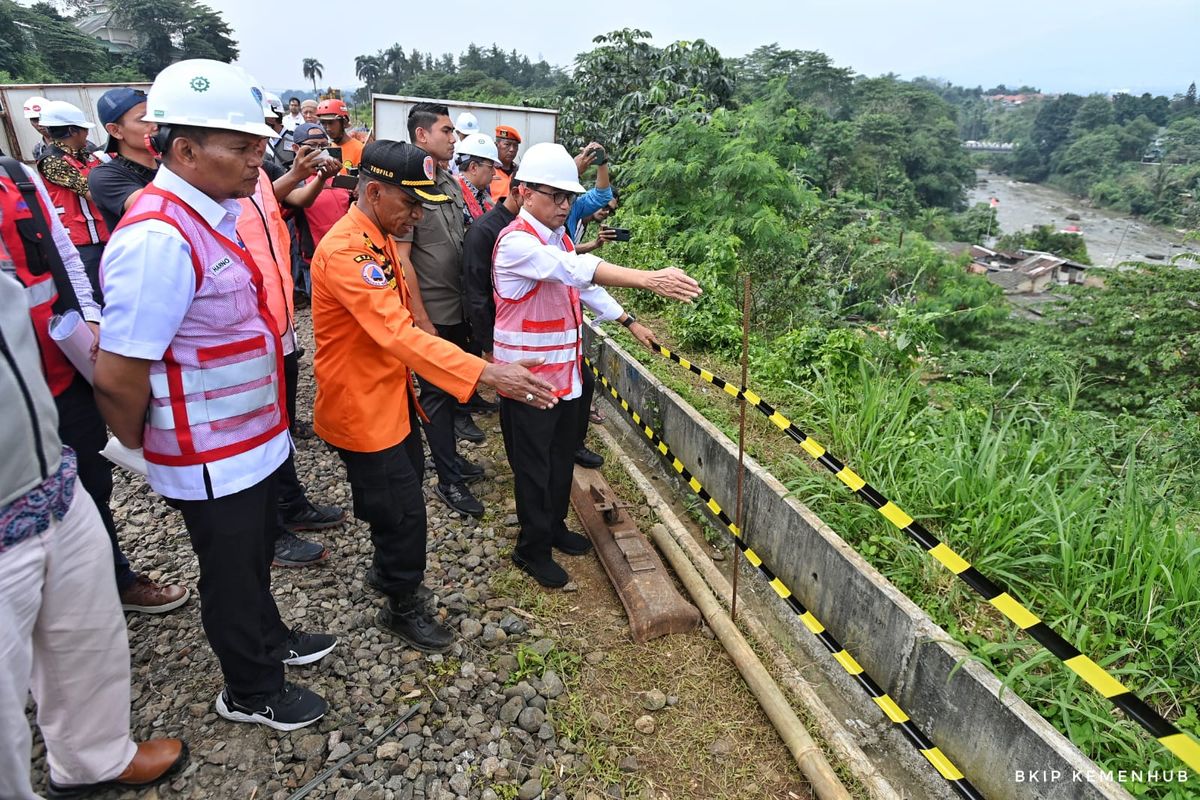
358, 259
375, 275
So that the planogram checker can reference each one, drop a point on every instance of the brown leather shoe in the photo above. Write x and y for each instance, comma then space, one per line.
148, 597
155, 760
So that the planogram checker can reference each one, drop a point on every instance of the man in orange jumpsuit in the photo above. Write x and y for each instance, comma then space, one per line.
366, 346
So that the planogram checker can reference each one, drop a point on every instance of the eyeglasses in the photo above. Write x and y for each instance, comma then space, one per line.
557, 197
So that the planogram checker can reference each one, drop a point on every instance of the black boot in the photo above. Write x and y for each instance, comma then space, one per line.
410, 619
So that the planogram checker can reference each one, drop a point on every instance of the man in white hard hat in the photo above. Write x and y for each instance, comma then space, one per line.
191, 369
476, 159
539, 284
65, 168
32, 110
466, 125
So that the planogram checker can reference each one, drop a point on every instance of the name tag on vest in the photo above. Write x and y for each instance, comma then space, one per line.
216, 268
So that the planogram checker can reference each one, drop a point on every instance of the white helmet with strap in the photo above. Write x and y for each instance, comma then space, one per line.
550, 164
61, 114
478, 145
204, 93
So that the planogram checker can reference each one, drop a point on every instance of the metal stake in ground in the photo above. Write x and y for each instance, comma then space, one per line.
741, 470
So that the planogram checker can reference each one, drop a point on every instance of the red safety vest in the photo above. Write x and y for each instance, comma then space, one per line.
472, 204
79, 215
546, 323
40, 290
219, 389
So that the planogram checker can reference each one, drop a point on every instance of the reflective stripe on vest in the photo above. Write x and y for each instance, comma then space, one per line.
40, 293
544, 323
213, 410
213, 379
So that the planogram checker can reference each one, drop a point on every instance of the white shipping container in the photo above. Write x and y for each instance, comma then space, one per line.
19, 136
534, 124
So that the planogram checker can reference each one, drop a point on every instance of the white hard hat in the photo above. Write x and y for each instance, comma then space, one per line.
550, 164
479, 145
466, 123
33, 107
272, 104
207, 94
60, 113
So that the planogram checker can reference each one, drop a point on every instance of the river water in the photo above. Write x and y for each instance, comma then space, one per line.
1111, 237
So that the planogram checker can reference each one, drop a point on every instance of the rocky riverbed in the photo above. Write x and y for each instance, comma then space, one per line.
542, 695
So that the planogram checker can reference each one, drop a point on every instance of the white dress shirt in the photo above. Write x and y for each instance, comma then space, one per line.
522, 261
149, 283
290, 122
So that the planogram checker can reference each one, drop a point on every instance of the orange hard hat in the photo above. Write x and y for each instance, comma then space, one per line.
507, 132
332, 108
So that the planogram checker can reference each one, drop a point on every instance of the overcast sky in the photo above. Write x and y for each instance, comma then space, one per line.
1058, 45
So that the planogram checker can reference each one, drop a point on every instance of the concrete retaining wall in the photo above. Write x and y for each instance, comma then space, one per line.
992, 737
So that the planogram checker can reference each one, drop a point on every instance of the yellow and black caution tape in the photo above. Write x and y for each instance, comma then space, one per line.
1171, 737
890, 708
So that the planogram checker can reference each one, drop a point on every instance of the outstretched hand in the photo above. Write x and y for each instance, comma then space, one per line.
674, 284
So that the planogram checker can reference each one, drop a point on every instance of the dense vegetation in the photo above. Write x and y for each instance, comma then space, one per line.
1060, 455
39, 43
1138, 154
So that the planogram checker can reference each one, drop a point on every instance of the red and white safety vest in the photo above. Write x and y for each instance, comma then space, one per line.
40, 291
218, 390
79, 215
469, 198
545, 323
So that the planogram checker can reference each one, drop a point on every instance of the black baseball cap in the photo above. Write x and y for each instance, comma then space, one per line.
113, 105
404, 165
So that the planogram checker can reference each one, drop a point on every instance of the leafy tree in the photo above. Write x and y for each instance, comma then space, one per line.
1137, 337
171, 30
37, 44
1181, 145
313, 70
1095, 112
809, 76
1052, 126
369, 69
626, 81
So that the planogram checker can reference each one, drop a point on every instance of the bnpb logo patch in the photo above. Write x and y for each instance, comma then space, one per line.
430, 170
374, 275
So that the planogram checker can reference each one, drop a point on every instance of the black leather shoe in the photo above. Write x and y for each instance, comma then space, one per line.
588, 458
547, 572
469, 470
409, 618
459, 497
465, 428
572, 543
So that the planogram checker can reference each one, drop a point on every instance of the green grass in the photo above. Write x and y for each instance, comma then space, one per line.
1096, 549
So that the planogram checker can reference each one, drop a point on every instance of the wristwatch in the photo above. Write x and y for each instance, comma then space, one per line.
629, 320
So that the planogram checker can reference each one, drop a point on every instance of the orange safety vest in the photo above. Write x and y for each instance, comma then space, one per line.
546, 323
501, 182
40, 290
79, 215
265, 235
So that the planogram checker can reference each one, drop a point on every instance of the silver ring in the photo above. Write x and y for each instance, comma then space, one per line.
528, 397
